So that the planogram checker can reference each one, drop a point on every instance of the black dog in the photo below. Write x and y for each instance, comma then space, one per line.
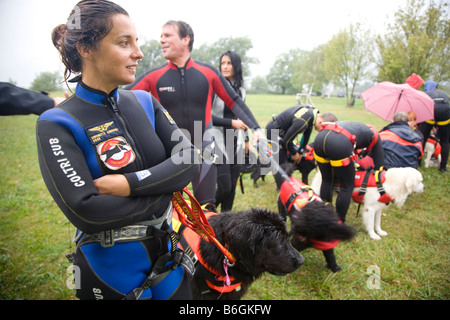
306, 164
313, 222
253, 166
257, 238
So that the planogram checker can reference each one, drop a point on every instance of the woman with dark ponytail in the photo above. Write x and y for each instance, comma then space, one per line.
108, 160
232, 157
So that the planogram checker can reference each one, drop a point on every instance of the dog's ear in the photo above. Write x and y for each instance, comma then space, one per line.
411, 182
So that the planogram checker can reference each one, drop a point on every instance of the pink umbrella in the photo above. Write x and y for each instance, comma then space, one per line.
386, 98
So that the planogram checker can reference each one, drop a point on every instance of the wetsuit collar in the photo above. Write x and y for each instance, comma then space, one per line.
188, 64
91, 95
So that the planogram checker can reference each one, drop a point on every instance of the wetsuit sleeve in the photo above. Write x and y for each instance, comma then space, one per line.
177, 171
70, 183
302, 124
15, 100
222, 122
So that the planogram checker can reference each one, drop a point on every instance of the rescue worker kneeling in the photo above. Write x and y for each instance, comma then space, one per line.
402, 146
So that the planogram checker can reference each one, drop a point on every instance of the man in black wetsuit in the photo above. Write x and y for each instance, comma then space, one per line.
186, 88
285, 127
334, 149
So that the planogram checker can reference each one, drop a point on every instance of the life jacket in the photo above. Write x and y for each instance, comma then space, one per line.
368, 178
437, 146
190, 243
298, 193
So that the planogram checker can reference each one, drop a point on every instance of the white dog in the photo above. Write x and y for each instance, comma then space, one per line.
430, 148
399, 184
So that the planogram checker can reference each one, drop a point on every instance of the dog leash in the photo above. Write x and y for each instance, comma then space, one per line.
193, 217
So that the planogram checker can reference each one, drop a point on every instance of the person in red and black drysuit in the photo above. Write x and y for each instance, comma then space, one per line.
186, 88
334, 150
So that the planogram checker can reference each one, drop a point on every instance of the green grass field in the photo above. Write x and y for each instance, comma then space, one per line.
413, 259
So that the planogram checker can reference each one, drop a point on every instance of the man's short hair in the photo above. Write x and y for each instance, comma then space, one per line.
329, 117
184, 30
401, 116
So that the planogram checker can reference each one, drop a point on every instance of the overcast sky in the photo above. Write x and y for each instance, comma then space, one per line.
274, 27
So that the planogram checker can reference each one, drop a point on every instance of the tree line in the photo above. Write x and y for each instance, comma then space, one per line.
417, 41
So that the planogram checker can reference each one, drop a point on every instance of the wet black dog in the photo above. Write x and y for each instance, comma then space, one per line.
313, 222
252, 166
257, 238
306, 164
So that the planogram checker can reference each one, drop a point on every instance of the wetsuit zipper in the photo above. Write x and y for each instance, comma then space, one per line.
186, 114
113, 104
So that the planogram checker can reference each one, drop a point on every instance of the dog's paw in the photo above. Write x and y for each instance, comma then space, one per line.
335, 268
382, 233
374, 236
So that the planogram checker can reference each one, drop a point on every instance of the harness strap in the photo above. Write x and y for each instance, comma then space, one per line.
375, 138
334, 127
160, 270
336, 163
384, 197
193, 217
438, 123
363, 188
136, 232
301, 201
222, 288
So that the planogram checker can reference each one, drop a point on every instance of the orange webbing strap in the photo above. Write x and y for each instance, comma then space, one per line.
193, 217
334, 127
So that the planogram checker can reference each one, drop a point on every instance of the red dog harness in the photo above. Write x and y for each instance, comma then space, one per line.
296, 192
437, 146
369, 178
190, 243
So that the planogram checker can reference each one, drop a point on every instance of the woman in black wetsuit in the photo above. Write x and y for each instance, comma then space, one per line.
108, 159
230, 164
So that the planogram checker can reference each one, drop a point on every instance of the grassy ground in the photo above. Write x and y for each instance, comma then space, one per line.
413, 259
